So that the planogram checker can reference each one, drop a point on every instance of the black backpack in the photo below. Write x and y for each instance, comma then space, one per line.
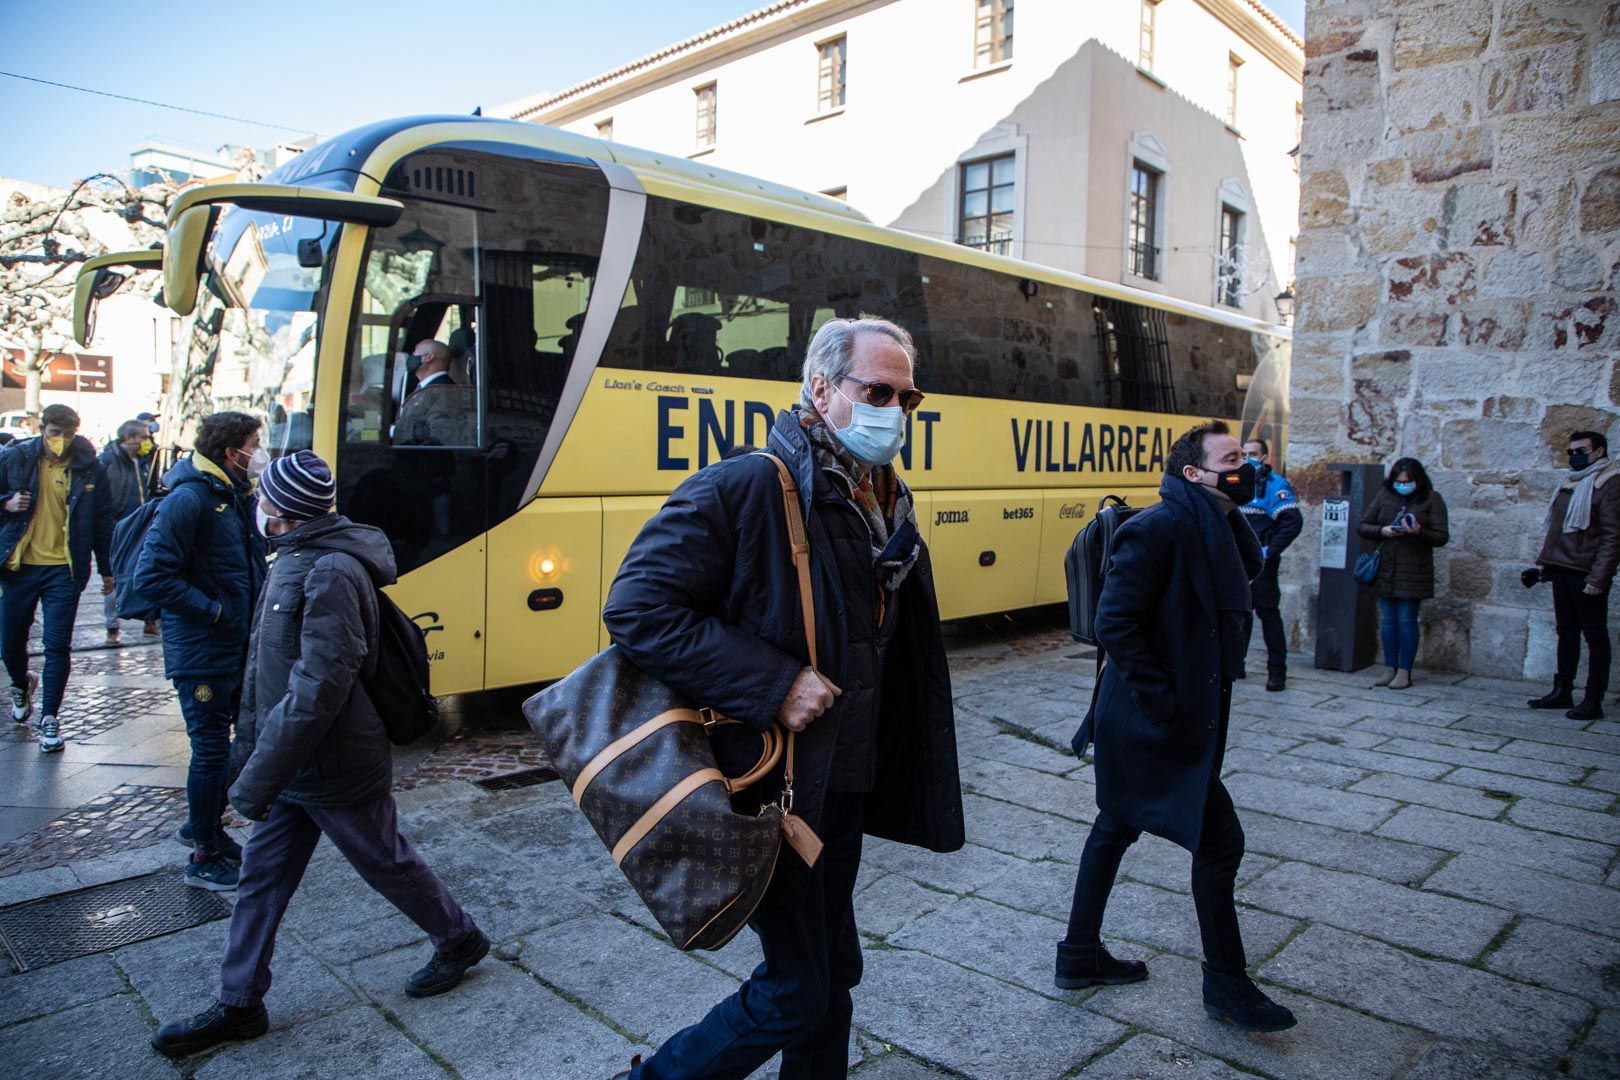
128, 537
398, 681
1086, 564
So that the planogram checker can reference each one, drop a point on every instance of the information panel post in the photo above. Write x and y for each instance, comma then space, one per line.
1346, 610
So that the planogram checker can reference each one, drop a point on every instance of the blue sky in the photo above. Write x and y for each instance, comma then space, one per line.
321, 67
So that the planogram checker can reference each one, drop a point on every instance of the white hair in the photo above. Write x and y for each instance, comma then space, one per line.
833, 348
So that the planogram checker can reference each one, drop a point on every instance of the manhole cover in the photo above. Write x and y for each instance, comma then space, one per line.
521, 778
58, 928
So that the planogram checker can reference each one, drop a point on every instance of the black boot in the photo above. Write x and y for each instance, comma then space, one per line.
1559, 697
1277, 679
1590, 708
1237, 1001
219, 1023
446, 969
1090, 965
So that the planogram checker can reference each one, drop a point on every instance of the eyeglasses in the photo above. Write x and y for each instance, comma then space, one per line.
881, 393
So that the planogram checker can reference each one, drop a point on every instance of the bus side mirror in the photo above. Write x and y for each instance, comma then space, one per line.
97, 281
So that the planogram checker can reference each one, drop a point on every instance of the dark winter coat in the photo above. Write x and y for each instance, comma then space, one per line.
89, 516
707, 601
1156, 715
202, 563
1594, 550
126, 481
1406, 567
307, 732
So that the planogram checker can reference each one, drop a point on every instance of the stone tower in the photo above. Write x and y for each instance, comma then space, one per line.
1458, 258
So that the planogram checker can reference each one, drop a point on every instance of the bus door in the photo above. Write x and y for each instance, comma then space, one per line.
411, 451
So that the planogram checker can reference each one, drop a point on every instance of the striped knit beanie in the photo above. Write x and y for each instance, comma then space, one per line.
299, 485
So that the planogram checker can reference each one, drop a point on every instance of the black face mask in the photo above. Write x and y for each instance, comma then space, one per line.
1579, 459
1236, 484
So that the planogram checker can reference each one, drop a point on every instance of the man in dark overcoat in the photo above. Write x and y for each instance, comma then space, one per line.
1172, 621
707, 601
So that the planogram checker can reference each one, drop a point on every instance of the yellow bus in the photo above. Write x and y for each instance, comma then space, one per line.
617, 319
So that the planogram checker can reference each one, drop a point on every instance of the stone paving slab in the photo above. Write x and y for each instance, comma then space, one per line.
1582, 860
357, 1042
1432, 923
1452, 1001
1561, 958
1526, 891
1535, 789
1410, 789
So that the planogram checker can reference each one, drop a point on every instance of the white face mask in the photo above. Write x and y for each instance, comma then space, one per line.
875, 433
259, 462
263, 520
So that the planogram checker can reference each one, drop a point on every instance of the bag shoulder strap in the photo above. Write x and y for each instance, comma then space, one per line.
799, 543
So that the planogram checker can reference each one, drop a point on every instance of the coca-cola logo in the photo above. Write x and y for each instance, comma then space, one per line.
1072, 511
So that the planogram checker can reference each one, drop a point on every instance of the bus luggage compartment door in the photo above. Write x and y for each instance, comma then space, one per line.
984, 546
544, 599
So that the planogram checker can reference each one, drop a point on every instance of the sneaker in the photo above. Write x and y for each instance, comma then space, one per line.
446, 969
218, 1024
50, 738
22, 700
228, 847
216, 874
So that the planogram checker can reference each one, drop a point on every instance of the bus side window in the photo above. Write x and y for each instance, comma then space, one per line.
440, 406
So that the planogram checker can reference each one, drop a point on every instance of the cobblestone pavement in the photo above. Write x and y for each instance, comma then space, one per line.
1431, 884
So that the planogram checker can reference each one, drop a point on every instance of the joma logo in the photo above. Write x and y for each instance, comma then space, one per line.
951, 517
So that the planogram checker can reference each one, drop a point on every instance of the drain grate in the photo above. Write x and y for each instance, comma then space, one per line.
57, 928
520, 779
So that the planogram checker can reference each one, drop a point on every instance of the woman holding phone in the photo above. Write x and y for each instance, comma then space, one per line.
1408, 519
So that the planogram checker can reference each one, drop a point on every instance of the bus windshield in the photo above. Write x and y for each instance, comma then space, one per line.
252, 345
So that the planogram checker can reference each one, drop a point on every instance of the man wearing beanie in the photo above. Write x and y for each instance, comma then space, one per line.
315, 758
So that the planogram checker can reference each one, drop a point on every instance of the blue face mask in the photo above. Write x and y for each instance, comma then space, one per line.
1255, 462
874, 434
1405, 490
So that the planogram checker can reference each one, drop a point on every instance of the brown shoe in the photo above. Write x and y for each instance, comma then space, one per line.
151, 628
1389, 676
112, 635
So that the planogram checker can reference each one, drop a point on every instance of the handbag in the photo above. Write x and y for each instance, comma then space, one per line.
1366, 570
637, 759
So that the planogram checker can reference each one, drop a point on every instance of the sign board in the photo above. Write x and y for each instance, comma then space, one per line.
1335, 533
84, 374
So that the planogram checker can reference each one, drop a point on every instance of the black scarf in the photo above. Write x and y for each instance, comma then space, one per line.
1229, 574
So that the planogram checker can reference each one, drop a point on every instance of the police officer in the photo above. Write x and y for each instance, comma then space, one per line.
1275, 518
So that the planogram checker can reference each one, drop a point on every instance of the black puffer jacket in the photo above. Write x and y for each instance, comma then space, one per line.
307, 732
1406, 569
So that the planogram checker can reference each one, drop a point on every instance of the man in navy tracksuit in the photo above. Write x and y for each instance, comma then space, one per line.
202, 563
52, 518
1276, 520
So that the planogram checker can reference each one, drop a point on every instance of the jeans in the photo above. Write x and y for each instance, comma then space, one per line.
1214, 878
1578, 615
27, 588
209, 707
798, 1000
1400, 631
273, 864
109, 610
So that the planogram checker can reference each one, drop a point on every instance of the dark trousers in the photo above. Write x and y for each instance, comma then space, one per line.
1578, 616
1214, 878
26, 589
1271, 630
209, 707
273, 864
798, 1000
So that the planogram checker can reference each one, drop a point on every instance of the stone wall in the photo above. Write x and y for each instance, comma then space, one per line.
1459, 253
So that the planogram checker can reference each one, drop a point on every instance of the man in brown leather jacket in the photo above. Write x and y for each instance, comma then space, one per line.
1579, 557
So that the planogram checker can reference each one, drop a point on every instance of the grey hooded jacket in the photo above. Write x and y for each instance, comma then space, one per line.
307, 732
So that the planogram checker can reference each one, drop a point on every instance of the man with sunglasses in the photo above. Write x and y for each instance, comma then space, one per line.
707, 601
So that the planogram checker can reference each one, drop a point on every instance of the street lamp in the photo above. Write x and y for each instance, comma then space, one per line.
1285, 306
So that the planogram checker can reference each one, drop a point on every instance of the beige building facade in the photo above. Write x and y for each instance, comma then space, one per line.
1136, 141
1459, 258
